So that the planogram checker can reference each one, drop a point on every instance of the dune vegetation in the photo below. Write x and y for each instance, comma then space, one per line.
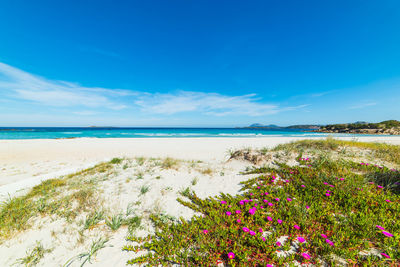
326, 209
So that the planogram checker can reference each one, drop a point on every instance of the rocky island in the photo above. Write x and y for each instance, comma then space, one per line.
389, 127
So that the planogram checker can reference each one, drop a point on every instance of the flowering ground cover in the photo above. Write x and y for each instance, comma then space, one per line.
323, 210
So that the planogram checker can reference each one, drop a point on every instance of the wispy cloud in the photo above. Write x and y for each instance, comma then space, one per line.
207, 103
23, 85
19, 85
363, 105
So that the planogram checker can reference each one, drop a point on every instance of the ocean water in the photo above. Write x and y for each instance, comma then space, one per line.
55, 133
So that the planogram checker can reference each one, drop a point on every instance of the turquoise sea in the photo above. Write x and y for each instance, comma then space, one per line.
74, 132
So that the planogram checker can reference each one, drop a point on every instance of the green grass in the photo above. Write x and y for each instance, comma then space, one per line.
87, 256
115, 222
169, 163
33, 256
194, 181
116, 161
144, 189
348, 216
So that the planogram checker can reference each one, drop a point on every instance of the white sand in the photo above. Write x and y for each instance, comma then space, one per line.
24, 163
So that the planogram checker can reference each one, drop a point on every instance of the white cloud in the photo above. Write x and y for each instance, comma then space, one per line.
20, 85
23, 85
363, 105
206, 103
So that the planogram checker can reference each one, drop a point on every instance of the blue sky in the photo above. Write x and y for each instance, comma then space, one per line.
198, 63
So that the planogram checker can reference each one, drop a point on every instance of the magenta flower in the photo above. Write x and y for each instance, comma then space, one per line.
289, 199
325, 183
324, 236
379, 227
260, 230
269, 265
327, 194
269, 218
261, 207
329, 242
328, 191
306, 256
341, 179
296, 227
205, 231
385, 255
252, 211
251, 194
277, 199
245, 229
287, 181
223, 202
303, 185
252, 232
238, 211
278, 244
263, 238
258, 187
387, 234
238, 220
307, 207
266, 193
230, 206
241, 202
301, 239
231, 255
228, 213
270, 204
387, 200
279, 221
265, 200
379, 186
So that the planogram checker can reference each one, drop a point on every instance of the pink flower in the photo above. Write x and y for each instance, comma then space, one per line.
270, 204
379, 227
328, 191
251, 194
278, 244
327, 194
385, 255
289, 199
231, 255
379, 186
269, 218
245, 229
266, 193
303, 185
223, 202
205, 231
260, 230
287, 181
329, 242
307, 207
297, 227
306, 256
258, 187
230, 206
325, 183
252, 211
238, 221
387, 200
263, 238
261, 207
387, 234
241, 202
341, 179
269, 265
265, 200
252, 233
279, 221
277, 199
228, 213
301, 239
238, 211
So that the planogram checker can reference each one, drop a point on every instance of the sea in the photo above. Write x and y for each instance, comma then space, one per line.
113, 132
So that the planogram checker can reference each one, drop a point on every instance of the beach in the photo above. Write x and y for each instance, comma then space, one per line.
151, 173
24, 163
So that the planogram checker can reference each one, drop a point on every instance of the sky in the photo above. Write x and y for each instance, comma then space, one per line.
198, 63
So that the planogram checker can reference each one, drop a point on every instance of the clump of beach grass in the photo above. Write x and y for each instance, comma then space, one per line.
34, 255
87, 256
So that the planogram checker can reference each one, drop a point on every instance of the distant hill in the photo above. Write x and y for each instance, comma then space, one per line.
391, 127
